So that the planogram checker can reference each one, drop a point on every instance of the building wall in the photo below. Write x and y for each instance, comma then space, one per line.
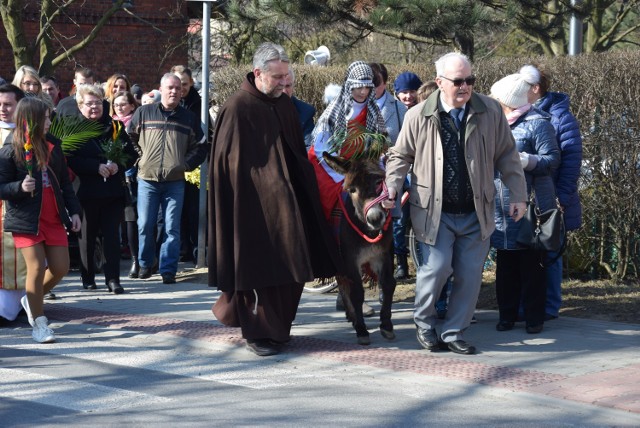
125, 45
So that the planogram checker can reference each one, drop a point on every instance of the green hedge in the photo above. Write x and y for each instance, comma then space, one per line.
605, 98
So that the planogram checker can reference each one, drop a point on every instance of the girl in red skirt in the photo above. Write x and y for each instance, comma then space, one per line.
40, 203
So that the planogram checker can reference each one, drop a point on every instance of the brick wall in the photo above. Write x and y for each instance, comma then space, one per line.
125, 45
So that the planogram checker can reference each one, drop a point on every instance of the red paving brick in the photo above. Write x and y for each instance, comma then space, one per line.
618, 388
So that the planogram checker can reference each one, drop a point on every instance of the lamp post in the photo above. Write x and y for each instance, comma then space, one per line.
575, 29
204, 122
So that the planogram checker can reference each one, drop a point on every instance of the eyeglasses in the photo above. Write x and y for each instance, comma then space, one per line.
29, 84
470, 81
93, 103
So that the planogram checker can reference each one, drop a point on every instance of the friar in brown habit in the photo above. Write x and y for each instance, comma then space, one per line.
267, 234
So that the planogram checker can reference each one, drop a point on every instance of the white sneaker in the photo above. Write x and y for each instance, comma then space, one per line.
41, 332
25, 304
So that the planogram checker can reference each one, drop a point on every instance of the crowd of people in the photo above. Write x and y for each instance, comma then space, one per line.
126, 153
470, 162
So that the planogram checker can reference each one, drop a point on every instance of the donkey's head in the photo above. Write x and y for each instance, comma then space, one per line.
364, 183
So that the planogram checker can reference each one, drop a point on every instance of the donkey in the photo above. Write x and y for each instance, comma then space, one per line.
365, 241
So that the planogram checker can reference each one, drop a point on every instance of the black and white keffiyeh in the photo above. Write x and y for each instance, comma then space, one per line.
336, 116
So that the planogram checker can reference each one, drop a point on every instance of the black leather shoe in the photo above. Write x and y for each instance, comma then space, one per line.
89, 286
144, 273
135, 269
49, 296
504, 326
549, 317
534, 329
262, 347
115, 287
461, 347
168, 278
428, 339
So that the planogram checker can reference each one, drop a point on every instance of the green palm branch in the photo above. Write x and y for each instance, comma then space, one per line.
74, 131
359, 143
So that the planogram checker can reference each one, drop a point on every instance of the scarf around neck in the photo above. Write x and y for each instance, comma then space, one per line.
514, 115
336, 116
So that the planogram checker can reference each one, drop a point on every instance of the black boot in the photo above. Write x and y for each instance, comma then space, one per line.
135, 267
402, 270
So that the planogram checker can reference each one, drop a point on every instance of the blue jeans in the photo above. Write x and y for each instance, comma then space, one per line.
400, 232
151, 196
554, 284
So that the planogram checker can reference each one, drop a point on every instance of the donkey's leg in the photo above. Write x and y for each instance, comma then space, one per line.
388, 286
356, 297
344, 288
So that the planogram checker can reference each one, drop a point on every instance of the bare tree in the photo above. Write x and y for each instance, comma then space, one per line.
608, 23
47, 42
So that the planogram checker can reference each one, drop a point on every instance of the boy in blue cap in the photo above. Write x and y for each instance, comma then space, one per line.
406, 88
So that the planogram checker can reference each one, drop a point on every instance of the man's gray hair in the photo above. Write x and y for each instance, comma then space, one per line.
441, 62
168, 76
267, 52
293, 75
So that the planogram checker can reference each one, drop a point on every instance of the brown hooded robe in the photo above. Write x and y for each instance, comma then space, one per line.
267, 234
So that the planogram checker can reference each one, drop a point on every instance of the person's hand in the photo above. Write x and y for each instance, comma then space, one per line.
517, 210
113, 167
76, 223
524, 159
391, 201
104, 170
28, 184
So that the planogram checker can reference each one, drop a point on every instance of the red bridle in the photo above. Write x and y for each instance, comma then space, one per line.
384, 195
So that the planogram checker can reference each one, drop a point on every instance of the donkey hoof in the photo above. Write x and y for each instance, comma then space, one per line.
364, 340
388, 334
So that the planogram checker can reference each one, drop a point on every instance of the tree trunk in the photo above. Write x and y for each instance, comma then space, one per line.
594, 30
11, 12
46, 49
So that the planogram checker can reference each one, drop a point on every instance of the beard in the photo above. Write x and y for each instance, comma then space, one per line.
274, 92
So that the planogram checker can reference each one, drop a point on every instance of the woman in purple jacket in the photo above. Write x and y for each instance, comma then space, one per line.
566, 176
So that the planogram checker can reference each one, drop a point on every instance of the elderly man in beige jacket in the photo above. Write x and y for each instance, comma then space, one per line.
455, 140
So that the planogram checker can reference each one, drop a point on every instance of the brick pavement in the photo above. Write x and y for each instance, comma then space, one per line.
584, 361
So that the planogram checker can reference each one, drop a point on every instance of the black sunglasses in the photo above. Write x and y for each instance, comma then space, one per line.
470, 81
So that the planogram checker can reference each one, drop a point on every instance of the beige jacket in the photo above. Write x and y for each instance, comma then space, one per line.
489, 145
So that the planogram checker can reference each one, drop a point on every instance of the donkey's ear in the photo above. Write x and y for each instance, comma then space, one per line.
340, 165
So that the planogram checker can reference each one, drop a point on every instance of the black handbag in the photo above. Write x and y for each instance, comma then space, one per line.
542, 230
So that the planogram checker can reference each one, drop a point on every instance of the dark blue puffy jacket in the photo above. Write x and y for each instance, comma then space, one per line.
534, 135
570, 142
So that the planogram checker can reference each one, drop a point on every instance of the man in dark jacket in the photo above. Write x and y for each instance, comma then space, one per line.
170, 141
305, 111
267, 234
192, 101
69, 106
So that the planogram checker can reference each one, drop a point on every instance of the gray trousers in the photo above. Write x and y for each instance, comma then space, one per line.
459, 250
